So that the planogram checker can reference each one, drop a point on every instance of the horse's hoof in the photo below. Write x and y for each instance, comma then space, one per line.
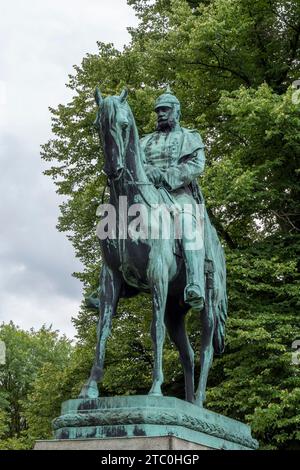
89, 391
199, 402
190, 399
155, 392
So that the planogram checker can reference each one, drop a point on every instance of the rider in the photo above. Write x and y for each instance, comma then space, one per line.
174, 159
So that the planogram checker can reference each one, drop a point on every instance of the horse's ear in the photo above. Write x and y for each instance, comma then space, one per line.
123, 95
98, 97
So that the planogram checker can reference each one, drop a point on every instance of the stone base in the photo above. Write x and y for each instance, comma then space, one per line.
121, 443
114, 421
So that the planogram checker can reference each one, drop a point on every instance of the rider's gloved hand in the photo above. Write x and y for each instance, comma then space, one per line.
154, 174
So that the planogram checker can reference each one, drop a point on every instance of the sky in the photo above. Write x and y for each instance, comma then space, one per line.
40, 43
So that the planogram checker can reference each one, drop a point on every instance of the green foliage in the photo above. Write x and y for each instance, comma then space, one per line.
231, 63
256, 376
28, 355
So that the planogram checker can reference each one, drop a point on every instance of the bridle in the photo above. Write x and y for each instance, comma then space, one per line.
123, 171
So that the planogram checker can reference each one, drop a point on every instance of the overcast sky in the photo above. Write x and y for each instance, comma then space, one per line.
40, 42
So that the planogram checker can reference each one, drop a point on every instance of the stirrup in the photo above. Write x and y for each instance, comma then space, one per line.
193, 297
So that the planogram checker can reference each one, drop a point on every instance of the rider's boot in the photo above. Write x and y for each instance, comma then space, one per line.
194, 293
192, 244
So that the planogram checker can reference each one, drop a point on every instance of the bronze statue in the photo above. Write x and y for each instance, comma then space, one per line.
160, 169
174, 159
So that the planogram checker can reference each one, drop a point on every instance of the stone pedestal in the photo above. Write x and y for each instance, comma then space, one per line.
145, 422
121, 443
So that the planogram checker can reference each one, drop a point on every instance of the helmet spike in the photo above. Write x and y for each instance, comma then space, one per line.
167, 99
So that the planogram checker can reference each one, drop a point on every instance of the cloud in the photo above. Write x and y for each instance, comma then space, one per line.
42, 42
33, 312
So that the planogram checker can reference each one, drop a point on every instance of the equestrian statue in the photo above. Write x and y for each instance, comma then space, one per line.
178, 271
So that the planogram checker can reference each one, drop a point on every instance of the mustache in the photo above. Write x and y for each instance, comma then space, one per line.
165, 123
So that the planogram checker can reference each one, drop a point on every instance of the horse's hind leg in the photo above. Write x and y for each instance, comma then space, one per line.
158, 280
207, 349
110, 286
175, 323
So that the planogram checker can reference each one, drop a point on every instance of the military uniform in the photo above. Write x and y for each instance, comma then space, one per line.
179, 154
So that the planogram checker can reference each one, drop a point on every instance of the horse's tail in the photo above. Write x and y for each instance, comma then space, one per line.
216, 259
220, 302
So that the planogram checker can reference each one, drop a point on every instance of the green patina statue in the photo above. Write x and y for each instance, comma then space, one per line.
175, 159
181, 268
179, 272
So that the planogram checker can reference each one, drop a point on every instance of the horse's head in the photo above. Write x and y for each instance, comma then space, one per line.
113, 122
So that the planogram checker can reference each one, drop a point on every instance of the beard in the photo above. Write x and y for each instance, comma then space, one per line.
166, 125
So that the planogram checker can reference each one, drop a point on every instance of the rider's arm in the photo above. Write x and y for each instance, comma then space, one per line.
184, 173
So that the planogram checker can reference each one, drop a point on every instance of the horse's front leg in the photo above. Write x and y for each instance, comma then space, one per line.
158, 280
207, 349
110, 286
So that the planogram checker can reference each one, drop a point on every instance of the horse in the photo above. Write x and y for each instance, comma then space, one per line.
131, 266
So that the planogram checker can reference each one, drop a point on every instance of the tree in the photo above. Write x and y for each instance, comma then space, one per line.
27, 354
232, 64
